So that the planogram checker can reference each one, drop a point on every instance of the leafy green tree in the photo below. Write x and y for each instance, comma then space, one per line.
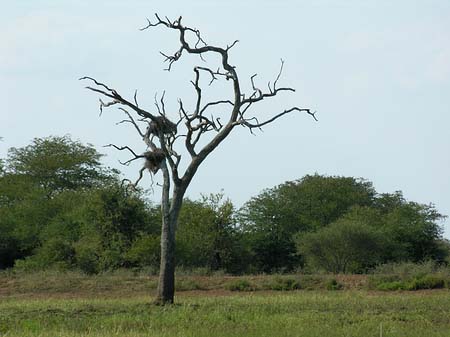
207, 235
57, 164
273, 217
55, 191
24, 211
117, 218
93, 230
411, 231
342, 247
272, 251
144, 251
414, 229
29, 177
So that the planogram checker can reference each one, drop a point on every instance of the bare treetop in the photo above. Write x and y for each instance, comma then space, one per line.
201, 119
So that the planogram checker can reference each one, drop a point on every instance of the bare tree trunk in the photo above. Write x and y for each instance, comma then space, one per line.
170, 211
166, 284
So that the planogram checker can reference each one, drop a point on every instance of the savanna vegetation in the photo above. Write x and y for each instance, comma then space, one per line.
62, 209
323, 255
299, 313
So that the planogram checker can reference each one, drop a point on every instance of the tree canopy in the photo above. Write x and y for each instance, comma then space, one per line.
93, 223
40, 181
57, 163
273, 217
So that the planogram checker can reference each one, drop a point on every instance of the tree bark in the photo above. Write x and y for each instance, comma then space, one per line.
170, 212
166, 284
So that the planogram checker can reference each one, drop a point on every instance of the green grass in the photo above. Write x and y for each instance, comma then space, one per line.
51, 304
299, 313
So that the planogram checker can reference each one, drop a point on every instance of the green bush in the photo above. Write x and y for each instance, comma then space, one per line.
391, 286
427, 282
344, 246
332, 284
29, 264
144, 251
54, 254
86, 256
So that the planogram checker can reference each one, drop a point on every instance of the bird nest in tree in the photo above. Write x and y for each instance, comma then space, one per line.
162, 125
153, 159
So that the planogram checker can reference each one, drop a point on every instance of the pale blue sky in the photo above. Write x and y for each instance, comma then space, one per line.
377, 72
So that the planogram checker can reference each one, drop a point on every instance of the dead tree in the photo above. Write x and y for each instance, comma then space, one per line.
161, 135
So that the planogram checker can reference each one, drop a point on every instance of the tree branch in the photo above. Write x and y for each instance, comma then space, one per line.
196, 123
246, 122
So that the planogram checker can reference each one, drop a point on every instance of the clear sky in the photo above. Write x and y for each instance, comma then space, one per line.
377, 72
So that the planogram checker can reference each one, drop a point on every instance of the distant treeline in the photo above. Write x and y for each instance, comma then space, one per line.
60, 208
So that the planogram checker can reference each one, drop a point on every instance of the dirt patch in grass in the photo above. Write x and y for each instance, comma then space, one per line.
352, 281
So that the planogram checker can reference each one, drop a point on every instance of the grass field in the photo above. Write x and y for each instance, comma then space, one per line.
123, 309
